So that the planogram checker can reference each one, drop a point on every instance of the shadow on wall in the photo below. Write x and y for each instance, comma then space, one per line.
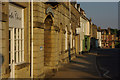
1, 62
1, 59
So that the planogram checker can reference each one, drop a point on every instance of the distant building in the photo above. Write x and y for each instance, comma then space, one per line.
85, 31
99, 37
94, 40
108, 38
117, 44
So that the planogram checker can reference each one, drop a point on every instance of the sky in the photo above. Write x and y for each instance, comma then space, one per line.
103, 14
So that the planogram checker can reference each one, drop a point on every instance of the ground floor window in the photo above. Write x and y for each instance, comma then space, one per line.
71, 39
66, 45
73, 43
16, 45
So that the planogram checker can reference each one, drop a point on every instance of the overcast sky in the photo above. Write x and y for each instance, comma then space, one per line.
104, 14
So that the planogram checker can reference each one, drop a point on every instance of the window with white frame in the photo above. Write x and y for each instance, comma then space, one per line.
112, 37
73, 42
16, 34
83, 26
16, 44
66, 39
19, 45
71, 39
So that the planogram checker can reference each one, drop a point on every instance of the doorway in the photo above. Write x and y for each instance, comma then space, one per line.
47, 41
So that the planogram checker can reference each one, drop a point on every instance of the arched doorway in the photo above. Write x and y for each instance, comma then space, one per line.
47, 40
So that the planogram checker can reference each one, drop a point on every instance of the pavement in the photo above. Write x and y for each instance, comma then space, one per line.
83, 66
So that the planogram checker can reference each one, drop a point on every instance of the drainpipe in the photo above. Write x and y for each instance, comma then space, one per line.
70, 29
31, 38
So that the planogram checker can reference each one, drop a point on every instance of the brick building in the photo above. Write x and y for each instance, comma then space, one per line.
108, 38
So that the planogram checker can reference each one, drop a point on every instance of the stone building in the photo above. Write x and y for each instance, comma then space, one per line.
99, 37
75, 26
37, 42
15, 40
94, 40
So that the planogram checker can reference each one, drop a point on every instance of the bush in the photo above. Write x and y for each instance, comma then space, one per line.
117, 44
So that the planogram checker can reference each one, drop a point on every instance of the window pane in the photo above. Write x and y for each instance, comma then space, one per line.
15, 56
9, 46
22, 55
20, 45
15, 45
18, 56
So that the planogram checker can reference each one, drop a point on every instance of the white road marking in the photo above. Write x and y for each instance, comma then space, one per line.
106, 72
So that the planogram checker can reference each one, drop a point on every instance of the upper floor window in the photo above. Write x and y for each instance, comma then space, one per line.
102, 32
66, 45
112, 37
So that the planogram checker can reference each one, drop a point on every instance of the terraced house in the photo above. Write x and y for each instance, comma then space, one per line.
85, 31
39, 37
94, 40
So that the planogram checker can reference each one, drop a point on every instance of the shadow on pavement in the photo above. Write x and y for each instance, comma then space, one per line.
83, 66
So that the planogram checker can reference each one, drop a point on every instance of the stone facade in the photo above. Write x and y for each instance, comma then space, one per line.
56, 37
19, 69
94, 40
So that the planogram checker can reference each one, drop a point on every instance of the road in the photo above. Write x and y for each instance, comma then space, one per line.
108, 61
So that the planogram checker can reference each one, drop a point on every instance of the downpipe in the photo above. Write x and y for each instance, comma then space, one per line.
32, 39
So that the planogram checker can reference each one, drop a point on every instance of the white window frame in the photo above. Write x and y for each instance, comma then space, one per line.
11, 53
83, 27
71, 39
17, 36
17, 45
104, 37
112, 37
74, 43
66, 39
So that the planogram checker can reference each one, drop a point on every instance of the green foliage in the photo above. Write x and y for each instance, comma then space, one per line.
117, 44
118, 33
114, 31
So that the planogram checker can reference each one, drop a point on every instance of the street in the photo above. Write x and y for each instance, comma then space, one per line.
108, 62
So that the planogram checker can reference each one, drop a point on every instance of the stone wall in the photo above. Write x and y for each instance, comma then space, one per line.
21, 68
38, 39
49, 30
5, 41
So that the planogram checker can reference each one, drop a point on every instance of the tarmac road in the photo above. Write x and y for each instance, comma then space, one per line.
108, 61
